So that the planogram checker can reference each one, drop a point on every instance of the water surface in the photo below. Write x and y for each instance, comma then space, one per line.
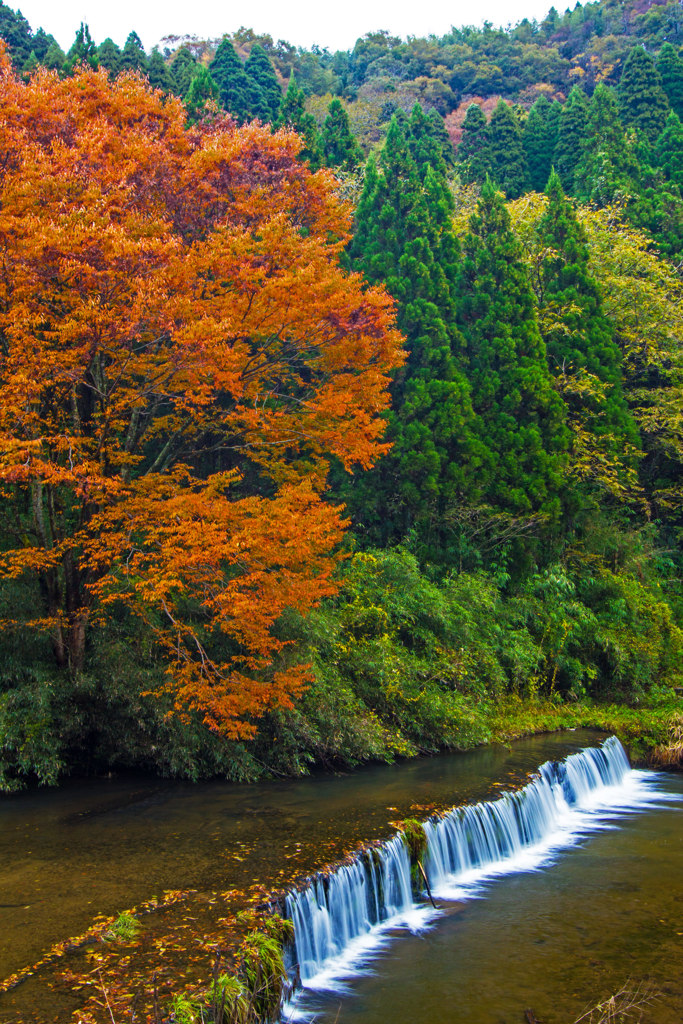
555, 940
100, 845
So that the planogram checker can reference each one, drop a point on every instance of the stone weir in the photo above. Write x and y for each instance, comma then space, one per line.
341, 913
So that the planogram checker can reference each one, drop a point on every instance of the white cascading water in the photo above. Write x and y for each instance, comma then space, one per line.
334, 909
361, 898
470, 838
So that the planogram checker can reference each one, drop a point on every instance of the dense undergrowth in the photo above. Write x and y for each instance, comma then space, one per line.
403, 662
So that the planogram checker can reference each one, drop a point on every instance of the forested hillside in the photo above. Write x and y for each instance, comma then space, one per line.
341, 394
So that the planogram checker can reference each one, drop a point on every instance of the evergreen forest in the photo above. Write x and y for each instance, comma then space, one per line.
341, 394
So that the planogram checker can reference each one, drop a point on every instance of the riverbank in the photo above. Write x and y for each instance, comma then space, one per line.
400, 663
651, 731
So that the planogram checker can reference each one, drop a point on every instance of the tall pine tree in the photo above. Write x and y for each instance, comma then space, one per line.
607, 168
83, 50
234, 88
670, 67
577, 333
669, 150
202, 90
520, 418
571, 137
440, 133
554, 115
266, 94
183, 69
424, 142
41, 43
16, 31
158, 74
506, 152
404, 239
293, 114
584, 359
539, 144
642, 101
109, 57
54, 58
133, 56
339, 145
473, 151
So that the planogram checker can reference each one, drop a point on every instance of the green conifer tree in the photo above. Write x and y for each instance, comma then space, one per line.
658, 210
404, 239
577, 333
607, 168
158, 73
30, 65
41, 43
426, 146
669, 150
16, 31
55, 57
266, 94
670, 67
473, 151
183, 68
539, 144
202, 90
83, 50
339, 145
643, 104
397, 213
293, 115
440, 133
235, 88
571, 137
109, 57
520, 418
133, 56
550, 23
554, 115
506, 152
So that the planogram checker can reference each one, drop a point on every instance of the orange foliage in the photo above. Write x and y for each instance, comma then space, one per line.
180, 357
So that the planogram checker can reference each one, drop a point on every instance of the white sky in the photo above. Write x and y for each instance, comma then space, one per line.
301, 22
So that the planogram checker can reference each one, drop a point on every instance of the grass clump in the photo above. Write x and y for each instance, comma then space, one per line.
264, 974
669, 754
124, 929
276, 927
230, 1001
184, 1010
415, 838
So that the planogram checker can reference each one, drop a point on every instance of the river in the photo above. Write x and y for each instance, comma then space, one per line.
104, 844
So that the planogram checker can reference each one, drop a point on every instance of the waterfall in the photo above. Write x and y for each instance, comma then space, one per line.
469, 838
334, 911
336, 908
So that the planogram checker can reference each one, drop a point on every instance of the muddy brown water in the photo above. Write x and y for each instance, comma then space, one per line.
100, 845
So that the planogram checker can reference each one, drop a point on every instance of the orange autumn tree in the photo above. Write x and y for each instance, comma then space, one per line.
180, 358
